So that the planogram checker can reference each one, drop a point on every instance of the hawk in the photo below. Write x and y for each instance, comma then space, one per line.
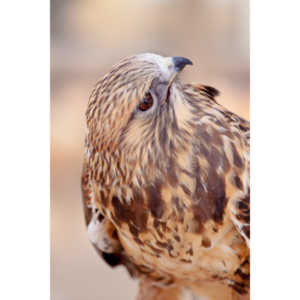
165, 182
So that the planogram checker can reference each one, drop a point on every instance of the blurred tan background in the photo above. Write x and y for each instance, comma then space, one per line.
87, 37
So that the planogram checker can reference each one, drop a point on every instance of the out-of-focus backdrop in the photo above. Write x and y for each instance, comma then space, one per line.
87, 37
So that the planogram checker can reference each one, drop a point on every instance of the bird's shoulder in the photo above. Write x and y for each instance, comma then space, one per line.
206, 95
222, 154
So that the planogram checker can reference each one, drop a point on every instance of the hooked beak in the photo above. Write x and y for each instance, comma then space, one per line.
176, 64
171, 67
180, 62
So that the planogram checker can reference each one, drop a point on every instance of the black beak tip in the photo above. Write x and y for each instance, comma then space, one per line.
181, 62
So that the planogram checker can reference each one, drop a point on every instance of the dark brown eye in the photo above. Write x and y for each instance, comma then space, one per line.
146, 103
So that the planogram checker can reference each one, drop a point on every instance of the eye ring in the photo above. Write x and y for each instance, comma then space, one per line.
146, 102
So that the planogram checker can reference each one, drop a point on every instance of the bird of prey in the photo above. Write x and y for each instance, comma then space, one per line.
165, 182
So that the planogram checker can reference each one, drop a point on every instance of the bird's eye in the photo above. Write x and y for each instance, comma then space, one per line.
146, 103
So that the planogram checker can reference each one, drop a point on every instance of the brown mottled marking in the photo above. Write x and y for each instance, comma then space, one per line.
187, 261
199, 216
236, 157
177, 238
216, 188
127, 213
246, 230
140, 215
190, 251
242, 275
138, 241
171, 252
155, 202
241, 288
206, 243
121, 213
186, 189
133, 230
160, 227
161, 244
237, 181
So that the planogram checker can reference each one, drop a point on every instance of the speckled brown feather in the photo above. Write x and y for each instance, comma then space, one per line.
172, 184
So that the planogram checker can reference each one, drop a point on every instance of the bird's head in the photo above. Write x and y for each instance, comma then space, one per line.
135, 104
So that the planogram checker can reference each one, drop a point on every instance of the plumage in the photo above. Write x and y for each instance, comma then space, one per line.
166, 183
